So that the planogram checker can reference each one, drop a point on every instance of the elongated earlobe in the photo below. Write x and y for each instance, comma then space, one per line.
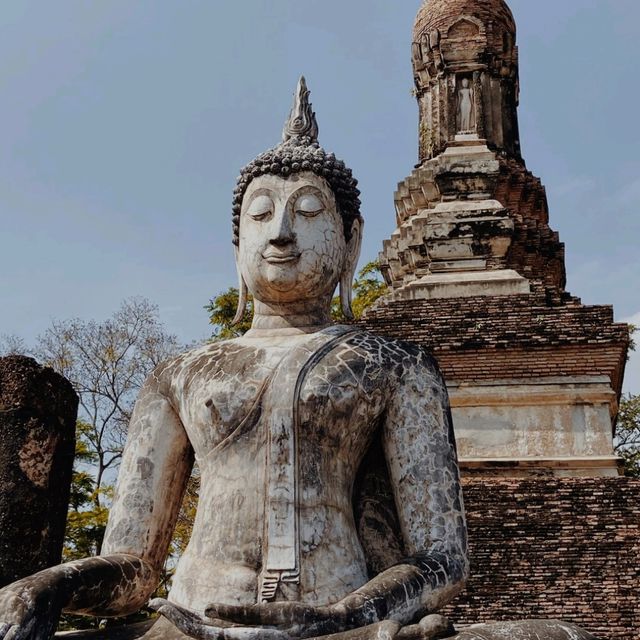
243, 294
349, 269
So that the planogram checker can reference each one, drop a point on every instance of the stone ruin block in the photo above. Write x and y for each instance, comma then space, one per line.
38, 410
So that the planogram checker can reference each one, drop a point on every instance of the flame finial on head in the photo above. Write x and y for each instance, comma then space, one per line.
299, 152
302, 119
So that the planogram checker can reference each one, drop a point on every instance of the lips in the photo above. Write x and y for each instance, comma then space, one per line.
280, 258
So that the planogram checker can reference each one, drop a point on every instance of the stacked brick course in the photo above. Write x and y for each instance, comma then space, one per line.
536, 251
518, 336
554, 548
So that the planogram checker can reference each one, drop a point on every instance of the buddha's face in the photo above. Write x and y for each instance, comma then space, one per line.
292, 245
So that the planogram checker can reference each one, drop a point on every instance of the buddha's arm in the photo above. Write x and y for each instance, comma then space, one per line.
155, 467
420, 450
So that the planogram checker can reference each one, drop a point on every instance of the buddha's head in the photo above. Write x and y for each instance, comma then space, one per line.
296, 219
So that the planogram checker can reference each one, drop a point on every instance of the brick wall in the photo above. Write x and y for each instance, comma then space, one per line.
532, 363
536, 251
498, 337
494, 321
554, 548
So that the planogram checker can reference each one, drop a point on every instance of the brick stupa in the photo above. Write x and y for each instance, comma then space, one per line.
477, 274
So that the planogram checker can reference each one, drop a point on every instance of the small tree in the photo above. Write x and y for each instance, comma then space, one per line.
367, 288
86, 519
107, 362
222, 310
627, 439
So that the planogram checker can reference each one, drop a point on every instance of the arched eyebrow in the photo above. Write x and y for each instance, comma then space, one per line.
261, 191
304, 190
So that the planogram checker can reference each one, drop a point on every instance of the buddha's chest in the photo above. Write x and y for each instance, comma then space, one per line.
324, 399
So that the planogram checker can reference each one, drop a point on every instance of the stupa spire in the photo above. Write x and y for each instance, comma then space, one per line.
471, 219
465, 64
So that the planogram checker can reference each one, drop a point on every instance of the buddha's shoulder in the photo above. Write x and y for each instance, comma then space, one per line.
206, 358
393, 353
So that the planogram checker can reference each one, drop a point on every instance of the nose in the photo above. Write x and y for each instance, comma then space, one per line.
282, 233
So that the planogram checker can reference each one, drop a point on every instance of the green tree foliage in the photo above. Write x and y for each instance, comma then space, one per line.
222, 310
627, 441
367, 288
87, 517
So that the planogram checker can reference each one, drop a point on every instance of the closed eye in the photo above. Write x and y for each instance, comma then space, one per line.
260, 208
309, 205
260, 216
309, 214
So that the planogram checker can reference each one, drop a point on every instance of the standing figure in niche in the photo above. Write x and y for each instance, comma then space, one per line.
466, 108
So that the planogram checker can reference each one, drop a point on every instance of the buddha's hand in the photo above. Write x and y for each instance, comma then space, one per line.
295, 619
201, 627
29, 610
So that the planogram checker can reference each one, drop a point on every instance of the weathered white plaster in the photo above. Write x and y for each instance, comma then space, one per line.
555, 423
463, 284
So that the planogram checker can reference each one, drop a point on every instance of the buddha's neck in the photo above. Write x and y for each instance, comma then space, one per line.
292, 318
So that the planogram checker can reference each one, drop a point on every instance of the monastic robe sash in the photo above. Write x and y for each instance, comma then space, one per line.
281, 550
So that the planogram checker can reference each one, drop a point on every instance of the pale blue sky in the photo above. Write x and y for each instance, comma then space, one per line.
123, 125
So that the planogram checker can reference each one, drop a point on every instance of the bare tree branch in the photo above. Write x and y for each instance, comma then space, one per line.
107, 363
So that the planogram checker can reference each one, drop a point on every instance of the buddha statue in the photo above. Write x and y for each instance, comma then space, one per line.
330, 503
